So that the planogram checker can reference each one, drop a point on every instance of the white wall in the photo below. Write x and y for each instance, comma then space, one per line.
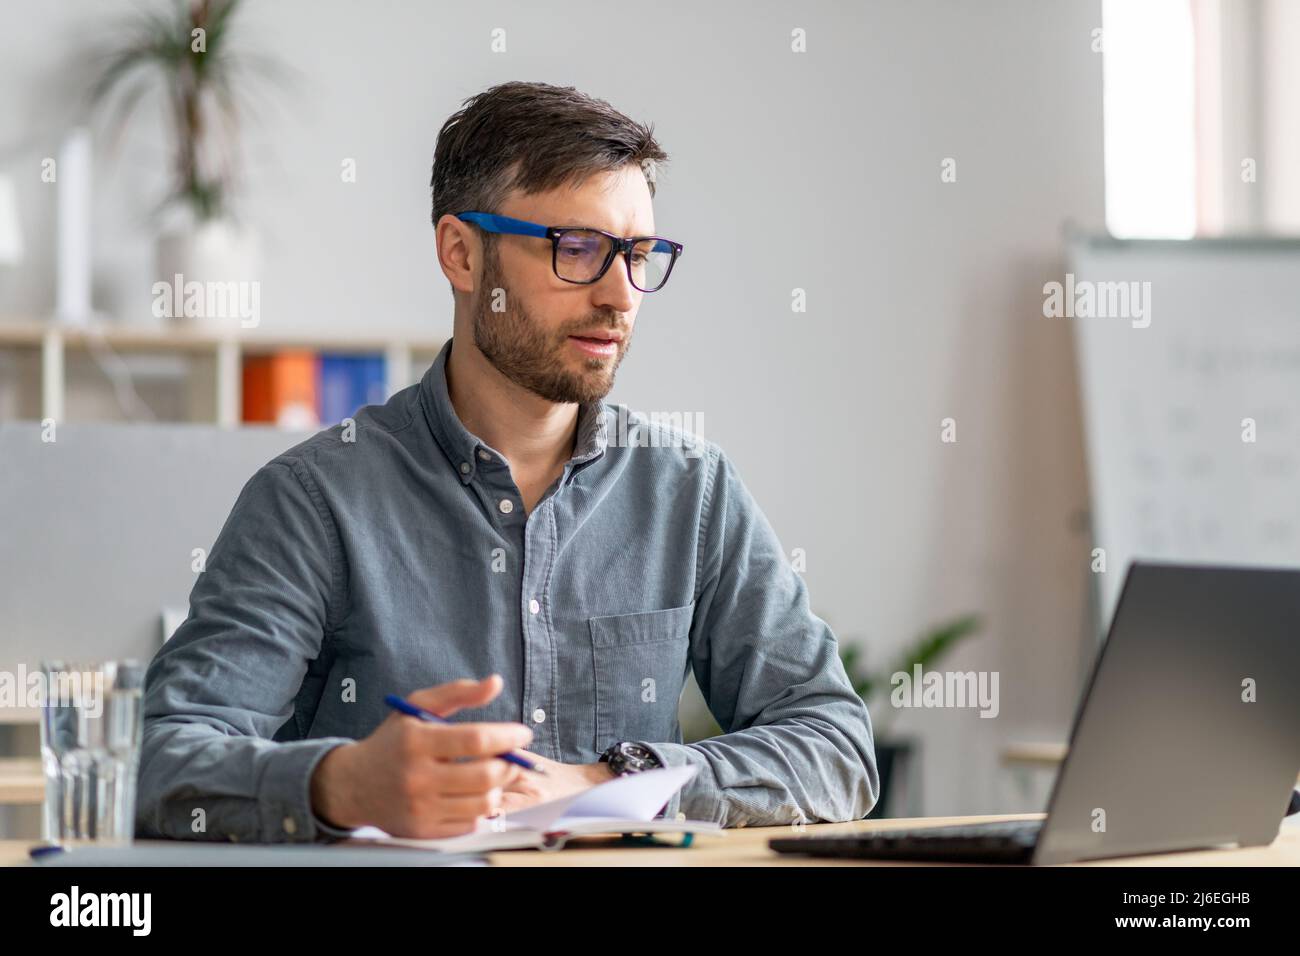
1279, 74
1253, 98
818, 171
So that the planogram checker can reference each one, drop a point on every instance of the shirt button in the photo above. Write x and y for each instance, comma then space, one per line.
533, 606
464, 468
506, 506
539, 715
484, 456
290, 825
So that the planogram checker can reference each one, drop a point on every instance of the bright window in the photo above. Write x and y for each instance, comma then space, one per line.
1149, 102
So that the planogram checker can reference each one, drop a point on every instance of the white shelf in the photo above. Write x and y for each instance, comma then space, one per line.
225, 349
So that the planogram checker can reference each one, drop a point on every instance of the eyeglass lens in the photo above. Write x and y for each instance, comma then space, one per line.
580, 253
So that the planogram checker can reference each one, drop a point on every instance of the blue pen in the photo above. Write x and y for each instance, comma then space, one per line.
404, 707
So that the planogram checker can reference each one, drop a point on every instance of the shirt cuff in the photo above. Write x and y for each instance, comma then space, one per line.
674, 755
285, 796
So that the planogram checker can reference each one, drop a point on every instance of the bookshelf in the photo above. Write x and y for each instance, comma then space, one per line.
181, 373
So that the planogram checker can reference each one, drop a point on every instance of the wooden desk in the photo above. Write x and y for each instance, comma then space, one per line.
748, 847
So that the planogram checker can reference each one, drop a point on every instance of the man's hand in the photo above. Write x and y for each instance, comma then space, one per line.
418, 779
560, 780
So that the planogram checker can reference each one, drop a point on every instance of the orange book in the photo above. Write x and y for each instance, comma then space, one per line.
282, 389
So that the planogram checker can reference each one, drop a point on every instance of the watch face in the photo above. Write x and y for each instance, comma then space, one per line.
627, 757
638, 758
636, 752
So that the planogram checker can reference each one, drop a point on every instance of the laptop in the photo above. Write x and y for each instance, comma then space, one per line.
1187, 737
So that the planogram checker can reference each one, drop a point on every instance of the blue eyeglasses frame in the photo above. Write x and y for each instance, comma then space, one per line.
491, 222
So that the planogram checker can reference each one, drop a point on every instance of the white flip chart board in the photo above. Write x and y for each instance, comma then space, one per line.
1191, 410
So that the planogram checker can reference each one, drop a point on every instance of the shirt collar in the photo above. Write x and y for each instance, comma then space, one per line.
466, 451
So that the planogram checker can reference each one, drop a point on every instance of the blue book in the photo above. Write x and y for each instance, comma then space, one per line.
347, 382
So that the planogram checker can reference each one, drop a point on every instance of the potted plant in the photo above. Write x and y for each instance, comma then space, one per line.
895, 756
188, 55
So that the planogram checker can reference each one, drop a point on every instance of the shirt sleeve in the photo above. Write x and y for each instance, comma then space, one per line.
797, 743
224, 686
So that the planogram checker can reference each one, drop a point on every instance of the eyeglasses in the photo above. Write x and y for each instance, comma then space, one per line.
582, 256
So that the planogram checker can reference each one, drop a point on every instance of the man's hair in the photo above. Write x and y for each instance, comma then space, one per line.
534, 137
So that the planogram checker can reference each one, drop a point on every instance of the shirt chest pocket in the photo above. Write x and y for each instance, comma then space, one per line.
640, 665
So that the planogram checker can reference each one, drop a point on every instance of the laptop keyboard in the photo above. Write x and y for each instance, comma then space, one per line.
1002, 842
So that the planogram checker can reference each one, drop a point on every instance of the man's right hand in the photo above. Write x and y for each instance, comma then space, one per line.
417, 779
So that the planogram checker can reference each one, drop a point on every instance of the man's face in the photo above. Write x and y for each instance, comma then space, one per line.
542, 340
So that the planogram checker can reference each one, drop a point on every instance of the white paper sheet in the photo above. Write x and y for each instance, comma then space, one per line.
635, 798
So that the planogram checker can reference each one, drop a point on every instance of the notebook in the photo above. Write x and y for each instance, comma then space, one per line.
625, 804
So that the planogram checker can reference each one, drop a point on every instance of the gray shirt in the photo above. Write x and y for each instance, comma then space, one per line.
395, 554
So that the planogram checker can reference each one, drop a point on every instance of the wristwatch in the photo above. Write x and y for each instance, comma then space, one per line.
627, 757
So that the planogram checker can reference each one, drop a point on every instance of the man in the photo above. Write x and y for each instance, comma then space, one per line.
497, 519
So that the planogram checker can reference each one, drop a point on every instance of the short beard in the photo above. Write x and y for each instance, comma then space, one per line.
531, 357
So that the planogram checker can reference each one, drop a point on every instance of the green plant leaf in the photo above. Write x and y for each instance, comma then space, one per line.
937, 642
926, 651
154, 50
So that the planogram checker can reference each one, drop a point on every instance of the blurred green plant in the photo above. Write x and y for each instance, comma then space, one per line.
926, 650
698, 723
189, 53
